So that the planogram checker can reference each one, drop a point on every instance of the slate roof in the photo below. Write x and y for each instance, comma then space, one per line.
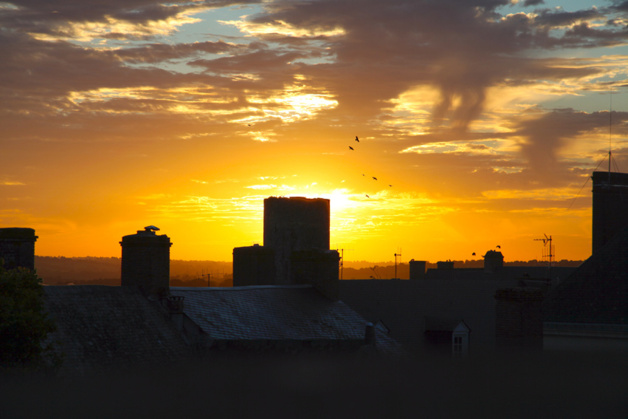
271, 314
100, 327
597, 292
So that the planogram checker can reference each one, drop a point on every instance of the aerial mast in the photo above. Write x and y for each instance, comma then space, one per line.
547, 249
396, 254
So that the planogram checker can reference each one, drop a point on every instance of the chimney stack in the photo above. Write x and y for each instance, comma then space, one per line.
146, 262
17, 248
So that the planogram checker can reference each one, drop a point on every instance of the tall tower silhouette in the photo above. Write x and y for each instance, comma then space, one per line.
294, 224
610, 206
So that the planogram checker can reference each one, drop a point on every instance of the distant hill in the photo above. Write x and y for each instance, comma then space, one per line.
106, 271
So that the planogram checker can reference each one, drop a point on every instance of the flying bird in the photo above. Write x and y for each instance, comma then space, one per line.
367, 196
374, 178
473, 254
356, 139
390, 186
499, 247
351, 147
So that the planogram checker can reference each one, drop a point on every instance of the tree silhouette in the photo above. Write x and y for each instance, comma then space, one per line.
24, 324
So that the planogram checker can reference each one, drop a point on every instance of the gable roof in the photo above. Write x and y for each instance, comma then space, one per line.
271, 314
598, 291
99, 327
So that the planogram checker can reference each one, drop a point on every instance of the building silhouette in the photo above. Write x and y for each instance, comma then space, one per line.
145, 322
447, 310
296, 247
294, 224
610, 206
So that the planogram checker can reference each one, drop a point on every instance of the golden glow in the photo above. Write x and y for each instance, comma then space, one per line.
279, 27
210, 117
534, 194
87, 31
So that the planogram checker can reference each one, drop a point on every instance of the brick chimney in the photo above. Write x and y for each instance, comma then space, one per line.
146, 262
17, 247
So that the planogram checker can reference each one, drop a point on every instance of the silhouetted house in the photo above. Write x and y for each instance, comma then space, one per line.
589, 310
423, 314
17, 247
285, 318
144, 322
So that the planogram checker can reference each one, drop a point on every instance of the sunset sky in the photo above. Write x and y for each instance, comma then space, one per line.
486, 116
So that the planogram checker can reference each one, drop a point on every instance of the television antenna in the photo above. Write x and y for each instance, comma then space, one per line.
548, 249
342, 260
397, 254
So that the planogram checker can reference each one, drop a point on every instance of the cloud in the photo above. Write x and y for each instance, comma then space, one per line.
418, 76
478, 148
355, 57
547, 133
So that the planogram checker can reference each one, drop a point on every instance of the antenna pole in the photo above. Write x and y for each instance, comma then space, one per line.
342, 262
396, 254
610, 134
547, 240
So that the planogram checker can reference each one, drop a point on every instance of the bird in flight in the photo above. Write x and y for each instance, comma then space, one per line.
351, 147
499, 247
356, 139
367, 196
374, 178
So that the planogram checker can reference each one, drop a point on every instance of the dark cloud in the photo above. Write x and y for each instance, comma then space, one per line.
155, 53
621, 6
460, 47
48, 13
557, 18
547, 134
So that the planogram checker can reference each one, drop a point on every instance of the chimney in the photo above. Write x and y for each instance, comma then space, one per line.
445, 265
17, 248
417, 269
493, 261
146, 262
319, 268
